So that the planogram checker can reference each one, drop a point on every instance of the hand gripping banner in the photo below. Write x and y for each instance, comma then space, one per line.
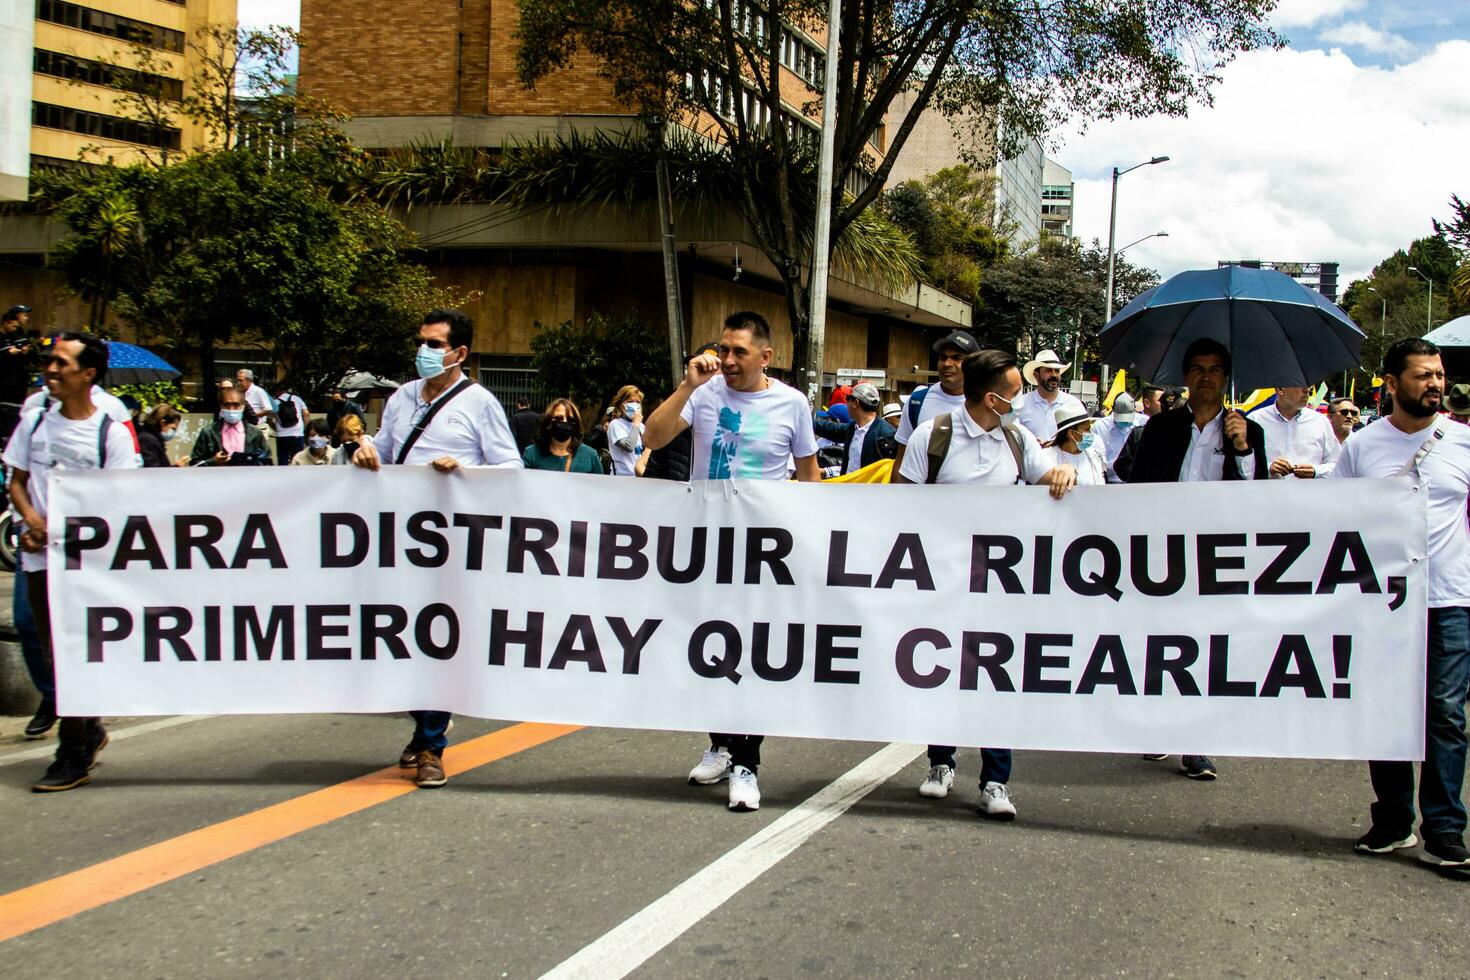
1281, 618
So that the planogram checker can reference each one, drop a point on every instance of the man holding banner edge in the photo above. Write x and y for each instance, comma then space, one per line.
447, 421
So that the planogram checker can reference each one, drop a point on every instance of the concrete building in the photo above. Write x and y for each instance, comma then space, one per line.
555, 265
1057, 189
1018, 195
17, 32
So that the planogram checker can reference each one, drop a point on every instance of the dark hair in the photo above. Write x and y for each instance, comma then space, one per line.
320, 427
1396, 358
1143, 392
543, 428
746, 320
160, 415
984, 371
461, 328
93, 354
1205, 347
1338, 401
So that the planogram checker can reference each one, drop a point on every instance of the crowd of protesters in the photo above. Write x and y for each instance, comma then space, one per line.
990, 419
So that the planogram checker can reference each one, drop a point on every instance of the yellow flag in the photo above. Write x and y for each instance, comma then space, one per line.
1120, 384
1377, 381
1352, 389
872, 473
1255, 399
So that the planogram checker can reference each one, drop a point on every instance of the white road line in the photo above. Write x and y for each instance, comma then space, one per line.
633, 942
48, 748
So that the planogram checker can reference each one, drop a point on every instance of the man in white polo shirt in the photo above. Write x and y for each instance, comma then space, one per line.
445, 421
932, 401
1415, 440
747, 426
985, 447
1037, 410
1300, 442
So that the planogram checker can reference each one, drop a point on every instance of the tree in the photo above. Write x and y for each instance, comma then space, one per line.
1456, 233
588, 363
718, 63
949, 216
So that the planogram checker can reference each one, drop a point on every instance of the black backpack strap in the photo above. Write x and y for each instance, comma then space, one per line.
102, 441
423, 423
1013, 439
939, 438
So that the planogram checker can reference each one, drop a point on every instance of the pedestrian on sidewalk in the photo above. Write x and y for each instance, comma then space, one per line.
71, 434
446, 421
557, 445
625, 431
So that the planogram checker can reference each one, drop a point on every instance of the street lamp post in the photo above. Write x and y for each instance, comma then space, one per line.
1429, 313
1382, 316
1113, 225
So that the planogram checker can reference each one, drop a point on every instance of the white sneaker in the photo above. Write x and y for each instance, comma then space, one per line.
995, 802
936, 787
745, 792
714, 767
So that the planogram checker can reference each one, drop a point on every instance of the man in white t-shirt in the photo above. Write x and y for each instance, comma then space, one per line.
70, 434
1415, 440
256, 399
985, 445
1038, 407
290, 439
1300, 442
933, 401
747, 426
445, 421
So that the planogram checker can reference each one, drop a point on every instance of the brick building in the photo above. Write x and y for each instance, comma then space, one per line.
440, 69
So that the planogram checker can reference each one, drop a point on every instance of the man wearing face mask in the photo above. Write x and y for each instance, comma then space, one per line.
446, 421
219, 444
1112, 432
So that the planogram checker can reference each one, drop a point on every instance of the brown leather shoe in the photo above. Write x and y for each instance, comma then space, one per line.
431, 770
410, 758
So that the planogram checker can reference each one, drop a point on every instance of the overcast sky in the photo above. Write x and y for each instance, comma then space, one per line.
1339, 148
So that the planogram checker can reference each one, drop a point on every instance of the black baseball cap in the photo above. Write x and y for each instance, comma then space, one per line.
957, 338
16, 310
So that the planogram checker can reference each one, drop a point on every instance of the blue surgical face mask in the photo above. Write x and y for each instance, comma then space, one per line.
317, 442
1085, 443
168, 434
429, 362
1008, 417
630, 409
232, 416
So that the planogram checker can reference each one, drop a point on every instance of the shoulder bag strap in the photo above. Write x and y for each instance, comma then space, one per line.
102, 440
939, 438
423, 423
1435, 435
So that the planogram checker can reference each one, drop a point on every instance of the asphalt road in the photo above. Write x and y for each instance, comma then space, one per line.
1116, 866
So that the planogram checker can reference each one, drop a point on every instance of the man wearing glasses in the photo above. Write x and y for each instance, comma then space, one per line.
1344, 418
446, 421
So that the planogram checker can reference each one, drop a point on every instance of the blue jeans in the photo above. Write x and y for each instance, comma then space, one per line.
287, 447
430, 731
1442, 774
38, 665
995, 764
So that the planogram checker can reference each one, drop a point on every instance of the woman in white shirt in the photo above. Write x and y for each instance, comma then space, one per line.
1076, 446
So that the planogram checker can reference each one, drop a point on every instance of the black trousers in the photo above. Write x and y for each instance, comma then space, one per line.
745, 750
74, 731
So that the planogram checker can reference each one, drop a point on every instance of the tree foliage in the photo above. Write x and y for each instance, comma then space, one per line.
588, 363
1030, 65
949, 215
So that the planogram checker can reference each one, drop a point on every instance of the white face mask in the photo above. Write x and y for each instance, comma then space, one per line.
1008, 417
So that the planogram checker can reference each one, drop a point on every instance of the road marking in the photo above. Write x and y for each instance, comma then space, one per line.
48, 749
629, 945
41, 904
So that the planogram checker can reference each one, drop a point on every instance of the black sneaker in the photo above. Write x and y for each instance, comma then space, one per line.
97, 740
1156, 757
65, 773
1379, 840
43, 721
1197, 766
1445, 851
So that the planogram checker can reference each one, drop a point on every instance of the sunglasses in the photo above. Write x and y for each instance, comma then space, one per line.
1345, 413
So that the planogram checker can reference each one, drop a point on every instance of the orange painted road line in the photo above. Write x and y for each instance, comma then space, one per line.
41, 904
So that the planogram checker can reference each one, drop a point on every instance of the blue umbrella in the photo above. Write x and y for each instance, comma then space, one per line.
1278, 331
129, 364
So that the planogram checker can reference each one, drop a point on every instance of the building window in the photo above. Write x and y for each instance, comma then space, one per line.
104, 127
109, 25
75, 69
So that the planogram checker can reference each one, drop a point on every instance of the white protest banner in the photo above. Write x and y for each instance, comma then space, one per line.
1282, 618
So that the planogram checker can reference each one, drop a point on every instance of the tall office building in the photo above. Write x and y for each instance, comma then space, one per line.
1057, 189
79, 48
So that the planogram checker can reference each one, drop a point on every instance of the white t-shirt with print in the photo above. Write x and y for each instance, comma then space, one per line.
625, 462
1379, 451
747, 435
59, 443
936, 403
975, 455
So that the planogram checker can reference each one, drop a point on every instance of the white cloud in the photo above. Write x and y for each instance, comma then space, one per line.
1305, 13
262, 13
1355, 33
1306, 156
